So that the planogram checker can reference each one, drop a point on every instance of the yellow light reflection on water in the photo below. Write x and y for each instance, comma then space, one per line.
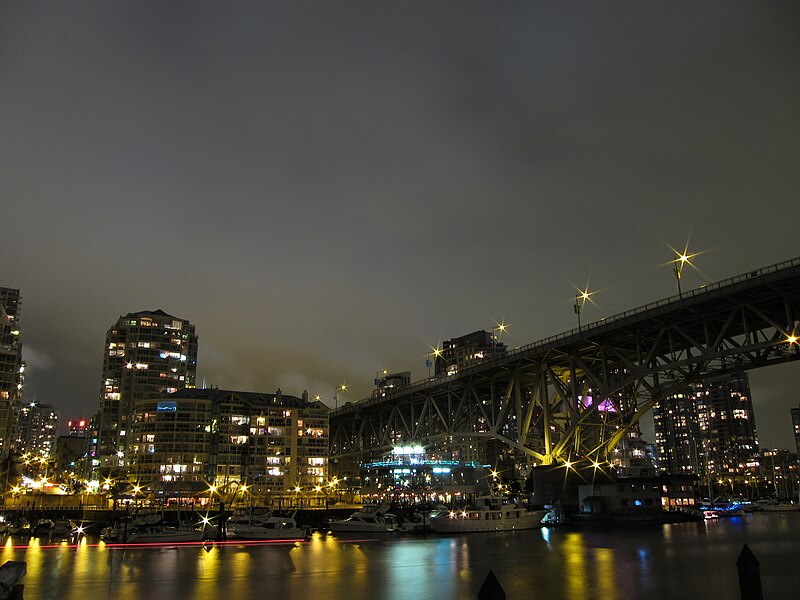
240, 565
34, 556
329, 557
462, 560
606, 583
575, 563
8, 550
206, 578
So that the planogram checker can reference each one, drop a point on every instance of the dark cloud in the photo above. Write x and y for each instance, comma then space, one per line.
324, 189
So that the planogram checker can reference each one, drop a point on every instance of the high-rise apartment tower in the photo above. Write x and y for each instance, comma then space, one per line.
147, 354
708, 429
12, 369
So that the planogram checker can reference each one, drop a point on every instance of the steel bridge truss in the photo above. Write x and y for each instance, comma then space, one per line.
576, 395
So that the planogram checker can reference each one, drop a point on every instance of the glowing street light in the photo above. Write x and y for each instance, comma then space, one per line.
501, 328
433, 355
679, 263
342, 388
580, 300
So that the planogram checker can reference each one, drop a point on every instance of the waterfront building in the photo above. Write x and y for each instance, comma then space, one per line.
38, 428
274, 444
620, 496
146, 354
680, 490
410, 473
629, 495
12, 368
796, 427
461, 352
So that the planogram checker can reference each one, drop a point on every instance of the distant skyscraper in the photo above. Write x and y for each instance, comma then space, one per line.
796, 425
677, 428
147, 354
727, 424
709, 429
38, 428
12, 369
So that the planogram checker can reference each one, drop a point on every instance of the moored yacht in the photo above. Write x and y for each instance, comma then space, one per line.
368, 519
264, 527
490, 513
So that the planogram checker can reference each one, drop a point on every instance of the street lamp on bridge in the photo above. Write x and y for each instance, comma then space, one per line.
679, 263
497, 331
342, 388
433, 355
580, 301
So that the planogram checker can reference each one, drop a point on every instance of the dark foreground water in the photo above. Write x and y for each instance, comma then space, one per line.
688, 560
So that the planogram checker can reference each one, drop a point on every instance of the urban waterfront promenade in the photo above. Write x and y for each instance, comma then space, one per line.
687, 560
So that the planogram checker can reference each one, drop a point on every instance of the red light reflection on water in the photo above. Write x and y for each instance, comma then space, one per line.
114, 546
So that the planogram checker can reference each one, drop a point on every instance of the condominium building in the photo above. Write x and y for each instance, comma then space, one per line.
146, 354
273, 443
677, 428
12, 368
727, 425
708, 429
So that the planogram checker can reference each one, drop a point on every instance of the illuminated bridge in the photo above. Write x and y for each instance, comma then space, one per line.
577, 393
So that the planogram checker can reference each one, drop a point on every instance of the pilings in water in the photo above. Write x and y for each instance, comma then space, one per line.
491, 588
749, 575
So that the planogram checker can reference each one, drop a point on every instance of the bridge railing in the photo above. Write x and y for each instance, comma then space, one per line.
605, 323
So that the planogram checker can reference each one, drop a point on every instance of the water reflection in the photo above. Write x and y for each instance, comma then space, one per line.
655, 562
573, 551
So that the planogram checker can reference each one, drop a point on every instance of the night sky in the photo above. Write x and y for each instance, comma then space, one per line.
329, 189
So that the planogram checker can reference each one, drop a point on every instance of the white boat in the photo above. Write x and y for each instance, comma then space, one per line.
368, 519
491, 513
264, 527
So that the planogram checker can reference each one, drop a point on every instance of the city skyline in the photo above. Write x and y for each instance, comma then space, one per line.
329, 191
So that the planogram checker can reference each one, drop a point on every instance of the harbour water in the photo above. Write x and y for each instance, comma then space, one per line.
686, 560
